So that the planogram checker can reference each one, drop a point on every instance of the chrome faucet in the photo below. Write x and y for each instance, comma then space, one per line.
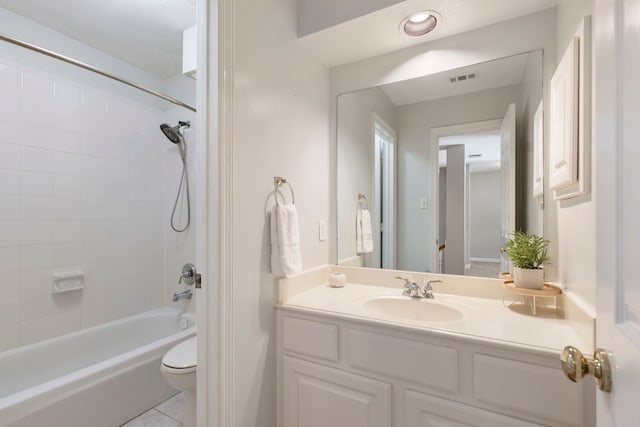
182, 295
410, 289
427, 292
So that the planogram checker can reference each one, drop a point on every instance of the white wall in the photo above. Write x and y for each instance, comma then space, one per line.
355, 158
530, 216
495, 41
576, 218
82, 174
81, 188
179, 248
414, 164
281, 127
484, 211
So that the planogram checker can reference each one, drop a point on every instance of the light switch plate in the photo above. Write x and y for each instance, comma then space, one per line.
424, 202
322, 231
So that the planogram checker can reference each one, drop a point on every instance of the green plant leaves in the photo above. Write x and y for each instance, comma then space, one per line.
527, 250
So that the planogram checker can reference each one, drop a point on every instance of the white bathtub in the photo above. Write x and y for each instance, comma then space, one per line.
100, 376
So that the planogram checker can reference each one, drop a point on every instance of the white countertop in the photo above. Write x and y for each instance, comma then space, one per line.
484, 318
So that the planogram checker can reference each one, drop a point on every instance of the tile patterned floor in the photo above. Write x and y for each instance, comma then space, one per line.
167, 414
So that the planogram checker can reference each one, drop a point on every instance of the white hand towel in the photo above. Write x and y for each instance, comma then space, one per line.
288, 239
364, 236
276, 269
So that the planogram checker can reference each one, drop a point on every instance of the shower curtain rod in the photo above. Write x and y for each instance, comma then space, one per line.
93, 69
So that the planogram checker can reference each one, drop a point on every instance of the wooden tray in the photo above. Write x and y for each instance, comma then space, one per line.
548, 290
505, 275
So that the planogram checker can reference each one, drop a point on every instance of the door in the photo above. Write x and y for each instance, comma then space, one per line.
508, 179
617, 127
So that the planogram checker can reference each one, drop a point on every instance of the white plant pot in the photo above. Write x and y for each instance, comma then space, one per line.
528, 278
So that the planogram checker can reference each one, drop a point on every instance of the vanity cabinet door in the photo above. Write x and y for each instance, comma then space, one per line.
424, 410
318, 396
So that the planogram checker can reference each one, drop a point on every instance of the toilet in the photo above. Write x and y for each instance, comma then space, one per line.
179, 369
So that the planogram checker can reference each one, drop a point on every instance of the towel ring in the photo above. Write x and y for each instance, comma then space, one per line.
277, 183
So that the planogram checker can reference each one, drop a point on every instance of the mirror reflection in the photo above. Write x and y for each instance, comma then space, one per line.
433, 173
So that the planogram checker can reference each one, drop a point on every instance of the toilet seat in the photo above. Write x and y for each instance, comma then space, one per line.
181, 359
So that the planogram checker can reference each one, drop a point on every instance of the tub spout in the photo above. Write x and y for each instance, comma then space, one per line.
182, 295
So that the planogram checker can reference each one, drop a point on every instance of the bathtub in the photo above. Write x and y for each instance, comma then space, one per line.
100, 376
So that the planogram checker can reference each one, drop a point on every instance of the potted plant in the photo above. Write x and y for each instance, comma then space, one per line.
528, 254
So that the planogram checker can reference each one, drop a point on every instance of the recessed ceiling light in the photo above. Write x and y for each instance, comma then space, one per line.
420, 17
419, 23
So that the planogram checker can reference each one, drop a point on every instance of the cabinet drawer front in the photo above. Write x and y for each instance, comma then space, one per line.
423, 410
311, 338
318, 396
426, 364
527, 388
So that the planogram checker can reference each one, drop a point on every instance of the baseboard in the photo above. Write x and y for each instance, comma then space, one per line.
496, 260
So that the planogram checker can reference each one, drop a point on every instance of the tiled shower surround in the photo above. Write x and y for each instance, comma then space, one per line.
82, 187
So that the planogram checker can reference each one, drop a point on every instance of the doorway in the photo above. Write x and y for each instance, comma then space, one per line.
384, 227
473, 193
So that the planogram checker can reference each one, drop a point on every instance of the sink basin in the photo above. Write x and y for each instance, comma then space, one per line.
415, 309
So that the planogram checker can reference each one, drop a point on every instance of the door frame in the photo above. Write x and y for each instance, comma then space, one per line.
388, 242
434, 136
214, 254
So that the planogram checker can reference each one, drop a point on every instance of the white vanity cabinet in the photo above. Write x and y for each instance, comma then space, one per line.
339, 371
318, 396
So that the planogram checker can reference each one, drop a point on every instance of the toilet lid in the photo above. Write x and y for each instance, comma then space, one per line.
182, 356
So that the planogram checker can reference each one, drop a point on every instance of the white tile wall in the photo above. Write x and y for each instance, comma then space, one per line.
82, 187
179, 248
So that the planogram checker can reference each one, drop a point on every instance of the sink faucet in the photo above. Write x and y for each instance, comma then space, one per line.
410, 289
182, 295
427, 292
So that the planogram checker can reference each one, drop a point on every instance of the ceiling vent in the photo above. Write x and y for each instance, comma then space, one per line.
464, 77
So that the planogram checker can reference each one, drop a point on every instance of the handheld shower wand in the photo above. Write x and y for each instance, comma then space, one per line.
174, 134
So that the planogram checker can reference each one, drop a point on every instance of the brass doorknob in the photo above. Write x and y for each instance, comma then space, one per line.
576, 366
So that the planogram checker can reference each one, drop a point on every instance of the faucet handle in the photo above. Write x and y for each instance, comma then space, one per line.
407, 290
188, 275
427, 284
407, 282
427, 291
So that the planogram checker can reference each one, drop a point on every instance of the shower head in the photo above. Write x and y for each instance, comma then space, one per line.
174, 133
171, 133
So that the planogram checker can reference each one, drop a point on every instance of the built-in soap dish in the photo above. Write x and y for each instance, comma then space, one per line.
68, 281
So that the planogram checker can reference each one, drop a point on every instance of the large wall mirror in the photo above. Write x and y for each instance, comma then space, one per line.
433, 173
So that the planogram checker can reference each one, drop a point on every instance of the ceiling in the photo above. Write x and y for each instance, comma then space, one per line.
492, 74
144, 33
148, 33
378, 32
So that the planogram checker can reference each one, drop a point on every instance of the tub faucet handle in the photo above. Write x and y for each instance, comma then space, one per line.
188, 274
